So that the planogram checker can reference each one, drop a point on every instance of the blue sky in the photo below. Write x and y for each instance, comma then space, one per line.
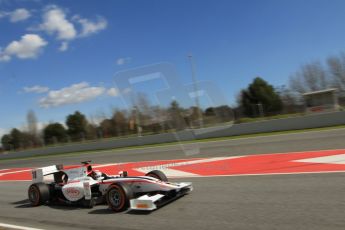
60, 56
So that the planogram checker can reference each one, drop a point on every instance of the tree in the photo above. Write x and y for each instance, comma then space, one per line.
120, 123
221, 113
91, 131
311, 77
224, 113
195, 113
159, 119
6, 142
210, 112
143, 110
107, 128
17, 138
292, 102
176, 118
260, 96
54, 132
77, 125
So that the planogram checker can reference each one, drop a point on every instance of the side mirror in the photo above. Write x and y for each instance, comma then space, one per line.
123, 173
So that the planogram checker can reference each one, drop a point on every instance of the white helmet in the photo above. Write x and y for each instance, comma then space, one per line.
97, 174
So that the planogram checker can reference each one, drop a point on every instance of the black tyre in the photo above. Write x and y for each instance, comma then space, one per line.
38, 194
158, 175
118, 196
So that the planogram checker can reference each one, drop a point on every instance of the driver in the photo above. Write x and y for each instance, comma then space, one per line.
95, 174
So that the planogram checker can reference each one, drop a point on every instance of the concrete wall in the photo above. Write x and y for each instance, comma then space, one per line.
293, 123
311, 121
104, 144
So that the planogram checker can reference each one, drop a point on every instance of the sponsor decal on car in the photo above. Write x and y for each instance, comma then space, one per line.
72, 192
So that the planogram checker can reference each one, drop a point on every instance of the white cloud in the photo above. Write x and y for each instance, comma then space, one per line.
55, 22
113, 92
89, 27
4, 57
29, 46
36, 89
123, 60
73, 94
63, 47
19, 15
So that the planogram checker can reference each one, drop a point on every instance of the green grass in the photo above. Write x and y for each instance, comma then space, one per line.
174, 143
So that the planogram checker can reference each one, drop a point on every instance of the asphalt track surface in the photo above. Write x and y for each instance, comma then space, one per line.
296, 201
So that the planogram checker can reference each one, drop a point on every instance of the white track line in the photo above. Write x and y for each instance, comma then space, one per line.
4, 170
11, 226
12, 172
333, 159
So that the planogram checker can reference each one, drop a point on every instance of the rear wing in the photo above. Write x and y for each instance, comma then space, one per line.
38, 174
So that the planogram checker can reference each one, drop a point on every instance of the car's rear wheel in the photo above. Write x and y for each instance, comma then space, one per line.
118, 196
158, 175
38, 194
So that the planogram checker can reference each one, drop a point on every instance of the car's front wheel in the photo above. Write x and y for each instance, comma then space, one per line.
118, 196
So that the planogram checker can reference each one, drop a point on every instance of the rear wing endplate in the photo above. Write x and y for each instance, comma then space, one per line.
39, 173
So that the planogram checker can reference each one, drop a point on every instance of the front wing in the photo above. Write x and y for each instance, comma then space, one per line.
151, 202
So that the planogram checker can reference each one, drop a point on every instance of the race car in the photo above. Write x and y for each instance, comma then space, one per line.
85, 186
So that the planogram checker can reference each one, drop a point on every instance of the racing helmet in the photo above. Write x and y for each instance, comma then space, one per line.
96, 174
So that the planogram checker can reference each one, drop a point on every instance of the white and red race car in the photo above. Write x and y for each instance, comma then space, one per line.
88, 187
